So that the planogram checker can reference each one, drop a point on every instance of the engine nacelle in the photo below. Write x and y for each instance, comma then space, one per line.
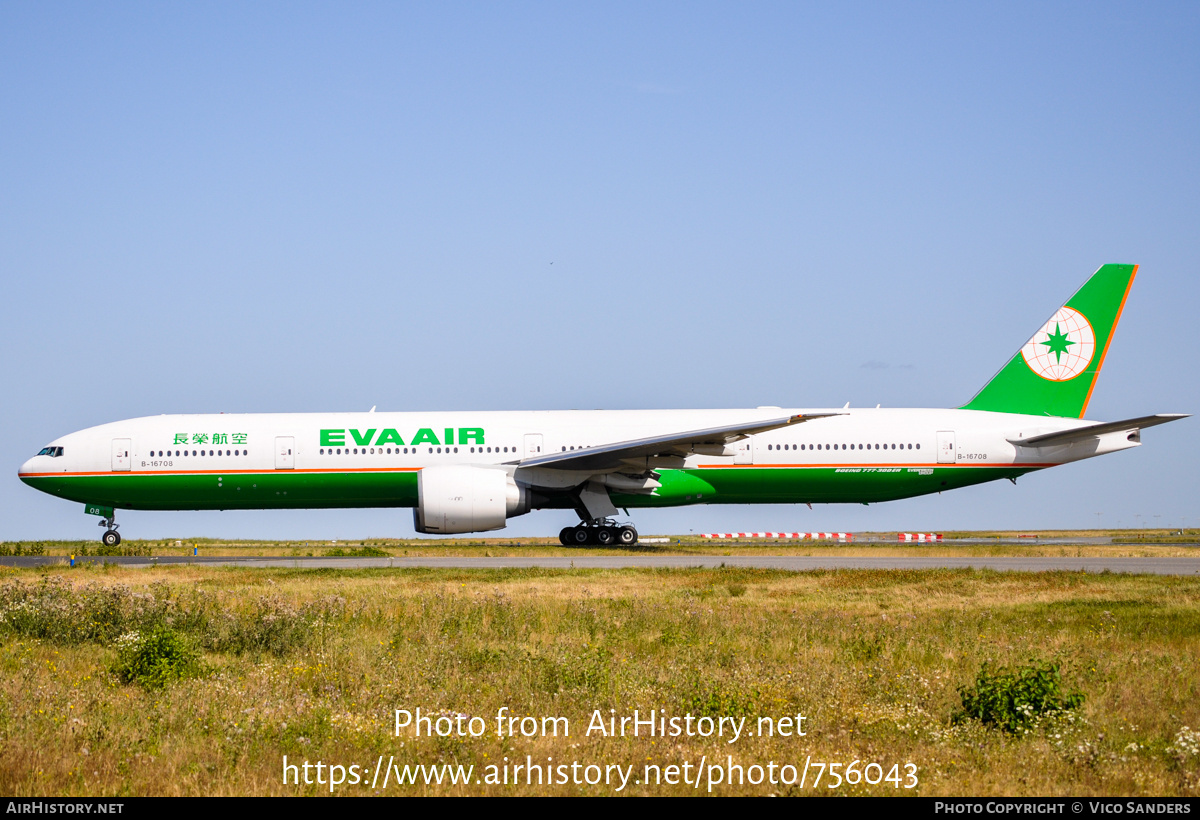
455, 499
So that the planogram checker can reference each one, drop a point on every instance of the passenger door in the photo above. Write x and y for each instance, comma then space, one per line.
285, 458
945, 446
744, 451
533, 445
120, 455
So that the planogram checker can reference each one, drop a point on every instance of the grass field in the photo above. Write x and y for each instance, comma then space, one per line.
1124, 543
312, 664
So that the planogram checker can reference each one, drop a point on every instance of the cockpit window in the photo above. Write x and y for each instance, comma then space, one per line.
53, 452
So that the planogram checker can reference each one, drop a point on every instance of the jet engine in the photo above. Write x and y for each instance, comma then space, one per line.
455, 499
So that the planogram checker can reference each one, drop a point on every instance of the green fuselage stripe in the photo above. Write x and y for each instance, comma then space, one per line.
287, 489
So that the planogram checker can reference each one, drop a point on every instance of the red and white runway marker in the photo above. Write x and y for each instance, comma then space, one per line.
920, 537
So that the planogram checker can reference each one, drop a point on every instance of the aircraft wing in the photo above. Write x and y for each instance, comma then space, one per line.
612, 456
1075, 434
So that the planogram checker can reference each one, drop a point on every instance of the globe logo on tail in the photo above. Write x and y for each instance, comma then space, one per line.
1063, 348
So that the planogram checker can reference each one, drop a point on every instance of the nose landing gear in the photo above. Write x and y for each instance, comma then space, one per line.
601, 532
111, 537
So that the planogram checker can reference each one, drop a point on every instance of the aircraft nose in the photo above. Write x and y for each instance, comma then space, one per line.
28, 467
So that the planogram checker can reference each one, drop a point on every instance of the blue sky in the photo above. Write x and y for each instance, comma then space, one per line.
305, 207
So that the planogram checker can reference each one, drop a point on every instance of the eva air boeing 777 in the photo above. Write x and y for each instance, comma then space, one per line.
471, 471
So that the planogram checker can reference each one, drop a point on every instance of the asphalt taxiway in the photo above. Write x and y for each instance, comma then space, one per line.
799, 563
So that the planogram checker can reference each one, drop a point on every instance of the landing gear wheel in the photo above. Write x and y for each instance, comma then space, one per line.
627, 536
580, 536
605, 536
564, 537
111, 538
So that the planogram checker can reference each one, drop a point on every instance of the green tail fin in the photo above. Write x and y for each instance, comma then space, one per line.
1056, 370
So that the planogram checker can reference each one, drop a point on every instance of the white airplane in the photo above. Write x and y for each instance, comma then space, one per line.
465, 472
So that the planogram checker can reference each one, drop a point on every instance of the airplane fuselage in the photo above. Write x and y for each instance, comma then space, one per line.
263, 461
471, 471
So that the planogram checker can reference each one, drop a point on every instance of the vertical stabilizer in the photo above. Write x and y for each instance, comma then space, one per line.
1056, 370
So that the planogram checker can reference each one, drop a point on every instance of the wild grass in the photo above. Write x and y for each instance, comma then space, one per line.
1017, 700
312, 665
155, 659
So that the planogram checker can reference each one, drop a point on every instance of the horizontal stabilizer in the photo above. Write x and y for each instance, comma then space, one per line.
1064, 437
611, 456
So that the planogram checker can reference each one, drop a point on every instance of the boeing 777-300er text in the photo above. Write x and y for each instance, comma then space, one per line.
471, 471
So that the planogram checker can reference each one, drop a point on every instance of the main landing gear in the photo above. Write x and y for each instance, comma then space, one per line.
599, 532
111, 537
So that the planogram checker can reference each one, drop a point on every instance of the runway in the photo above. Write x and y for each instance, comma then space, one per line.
1140, 566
